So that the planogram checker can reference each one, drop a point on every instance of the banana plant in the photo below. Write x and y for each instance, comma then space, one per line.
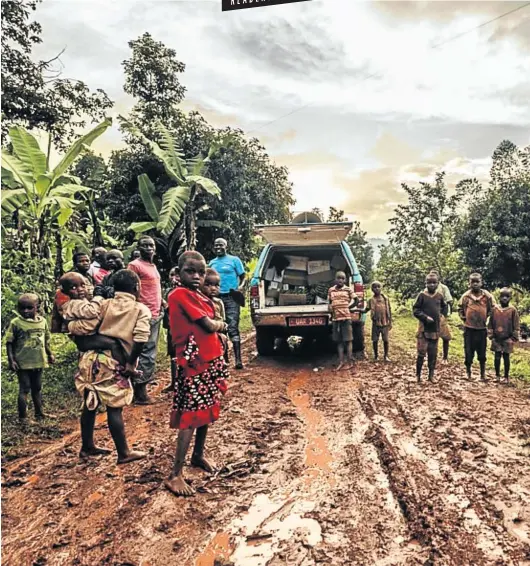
174, 217
41, 199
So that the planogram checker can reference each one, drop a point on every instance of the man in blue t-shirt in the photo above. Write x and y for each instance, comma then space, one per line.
232, 274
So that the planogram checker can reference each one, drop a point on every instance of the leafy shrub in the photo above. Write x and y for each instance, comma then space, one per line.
24, 274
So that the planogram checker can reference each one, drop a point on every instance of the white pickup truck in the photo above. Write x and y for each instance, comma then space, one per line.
288, 291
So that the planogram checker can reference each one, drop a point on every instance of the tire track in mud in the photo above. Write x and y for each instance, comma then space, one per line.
439, 473
360, 467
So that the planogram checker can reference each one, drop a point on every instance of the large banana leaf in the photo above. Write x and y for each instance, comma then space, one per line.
27, 149
43, 184
17, 171
151, 202
196, 165
78, 146
173, 204
206, 184
70, 190
64, 216
173, 154
140, 227
12, 199
155, 148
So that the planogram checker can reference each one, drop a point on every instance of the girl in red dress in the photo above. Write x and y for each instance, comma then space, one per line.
201, 370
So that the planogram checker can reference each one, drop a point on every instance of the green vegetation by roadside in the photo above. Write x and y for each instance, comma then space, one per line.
403, 340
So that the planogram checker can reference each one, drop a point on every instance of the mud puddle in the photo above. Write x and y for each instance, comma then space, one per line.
280, 516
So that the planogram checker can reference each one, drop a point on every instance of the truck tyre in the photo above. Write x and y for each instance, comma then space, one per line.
265, 341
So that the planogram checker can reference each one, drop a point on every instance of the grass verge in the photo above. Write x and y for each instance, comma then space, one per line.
403, 338
59, 394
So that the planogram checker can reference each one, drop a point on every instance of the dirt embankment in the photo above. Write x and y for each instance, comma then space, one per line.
362, 467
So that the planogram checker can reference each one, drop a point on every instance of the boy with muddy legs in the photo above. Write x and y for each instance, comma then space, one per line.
341, 299
202, 372
29, 352
475, 307
428, 309
101, 379
445, 331
503, 331
379, 307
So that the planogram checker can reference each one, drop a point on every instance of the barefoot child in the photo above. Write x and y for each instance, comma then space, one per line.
445, 331
202, 372
101, 379
503, 330
29, 352
475, 308
341, 300
379, 307
428, 309
212, 289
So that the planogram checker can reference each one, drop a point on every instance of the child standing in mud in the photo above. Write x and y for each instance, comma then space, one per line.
29, 352
341, 299
379, 307
202, 372
212, 289
428, 309
503, 330
475, 307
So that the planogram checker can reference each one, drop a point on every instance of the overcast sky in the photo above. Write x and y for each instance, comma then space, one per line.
375, 101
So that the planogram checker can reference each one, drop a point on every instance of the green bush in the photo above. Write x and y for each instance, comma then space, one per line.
23, 274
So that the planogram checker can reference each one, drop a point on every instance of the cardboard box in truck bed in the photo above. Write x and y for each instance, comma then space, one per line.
297, 263
317, 266
321, 277
272, 275
295, 278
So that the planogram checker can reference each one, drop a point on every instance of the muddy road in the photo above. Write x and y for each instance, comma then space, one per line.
362, 467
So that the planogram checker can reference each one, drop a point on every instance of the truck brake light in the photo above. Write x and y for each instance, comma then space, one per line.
254, 291
359, 289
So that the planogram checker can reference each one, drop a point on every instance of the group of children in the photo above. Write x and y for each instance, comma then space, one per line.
102, 315
110, 327
482, 318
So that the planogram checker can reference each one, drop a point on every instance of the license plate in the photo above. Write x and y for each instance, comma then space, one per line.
308, 321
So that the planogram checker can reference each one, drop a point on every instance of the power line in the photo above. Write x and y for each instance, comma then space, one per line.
459, 35
435, 46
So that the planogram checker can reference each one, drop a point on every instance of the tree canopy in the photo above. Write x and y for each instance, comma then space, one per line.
494, 234
34, 94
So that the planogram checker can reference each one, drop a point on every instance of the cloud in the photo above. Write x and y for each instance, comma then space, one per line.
467, 13
299, 77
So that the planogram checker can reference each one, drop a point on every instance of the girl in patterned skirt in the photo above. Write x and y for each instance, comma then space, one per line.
201, 370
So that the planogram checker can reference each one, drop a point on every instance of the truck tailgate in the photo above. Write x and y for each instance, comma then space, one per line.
294, 310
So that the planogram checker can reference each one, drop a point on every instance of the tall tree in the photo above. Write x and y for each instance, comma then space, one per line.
34, 94
152, 78
495, 232
422, 237
254, 189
